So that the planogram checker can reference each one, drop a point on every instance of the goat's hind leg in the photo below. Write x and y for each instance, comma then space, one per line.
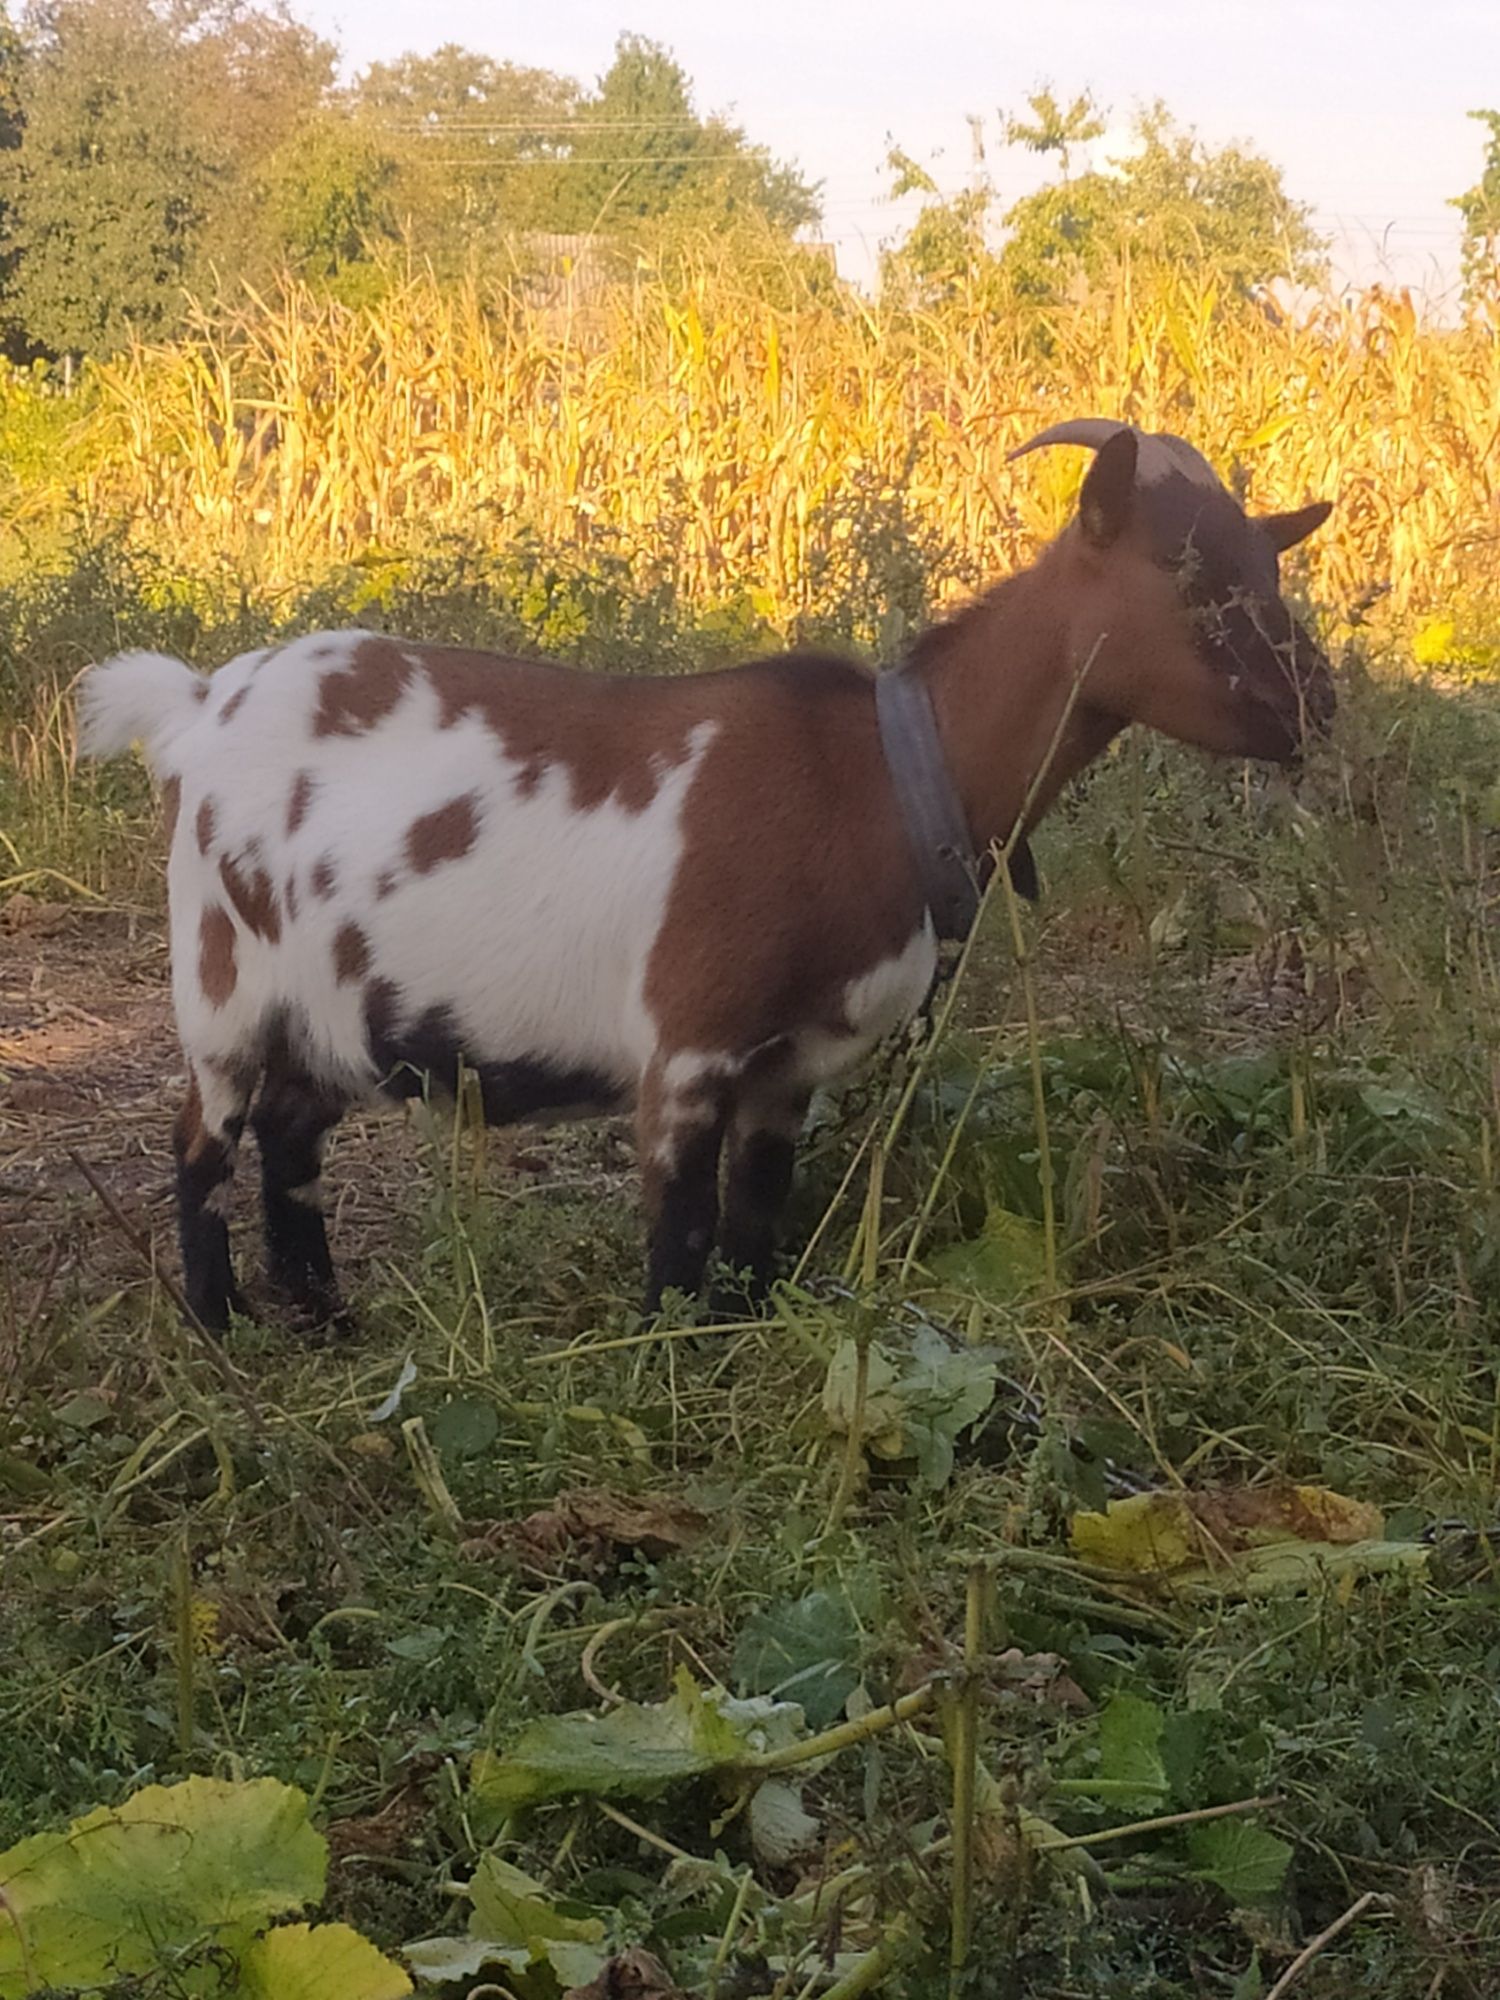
205, 1139
292, 1118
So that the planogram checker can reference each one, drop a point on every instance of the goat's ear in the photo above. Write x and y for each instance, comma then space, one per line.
1109, 491
1286, 530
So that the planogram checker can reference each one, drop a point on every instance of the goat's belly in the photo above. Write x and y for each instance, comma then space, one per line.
529, 1085
872, 1006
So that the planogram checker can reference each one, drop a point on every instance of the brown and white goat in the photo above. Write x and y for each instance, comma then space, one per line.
700, 896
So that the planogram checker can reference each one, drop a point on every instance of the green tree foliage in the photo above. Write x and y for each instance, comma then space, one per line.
949, 241
1171, 201
141, 130
1480, 209
12, 55
328, 203
152, 149
473, 143
640, 154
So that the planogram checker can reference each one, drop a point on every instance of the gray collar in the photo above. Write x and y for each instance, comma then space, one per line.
949, 872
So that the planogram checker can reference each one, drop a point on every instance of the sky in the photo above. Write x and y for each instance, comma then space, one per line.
1360, 102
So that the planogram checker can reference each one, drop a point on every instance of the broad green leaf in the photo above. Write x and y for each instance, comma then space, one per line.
919, 1411
438, 1960
512, 1909
318, 1962
1243, 1860
944, 1390
880, 1419
465, 1428
1005, 1262
1185, 1735
636, 1750
1130, 1751
174, 1867
1251, 1984
423, 1645
804, 1651
514, 1925
19, 1475
83, 1411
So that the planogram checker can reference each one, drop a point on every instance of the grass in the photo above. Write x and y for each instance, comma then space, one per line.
1256, 1033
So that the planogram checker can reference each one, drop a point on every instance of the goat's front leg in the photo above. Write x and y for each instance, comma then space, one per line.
679, 1134
762, 1149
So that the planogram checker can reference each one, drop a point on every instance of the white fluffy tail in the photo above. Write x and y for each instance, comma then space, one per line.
144, 698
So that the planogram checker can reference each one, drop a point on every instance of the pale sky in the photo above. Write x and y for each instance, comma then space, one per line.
1360, 102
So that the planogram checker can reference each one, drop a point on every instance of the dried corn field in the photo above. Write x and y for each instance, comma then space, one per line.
727, 444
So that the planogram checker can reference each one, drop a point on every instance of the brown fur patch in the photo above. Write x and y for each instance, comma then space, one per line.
217, 971
353, 698
444, 835
250, 889
386, 884
200, 692
289, 897
801, 885
298, 803
189, 1132
351, 954
171, 802
204, 824
325, 877
234, 704
616, 737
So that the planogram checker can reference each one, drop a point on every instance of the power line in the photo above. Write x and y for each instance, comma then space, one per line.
435, 121
591, 160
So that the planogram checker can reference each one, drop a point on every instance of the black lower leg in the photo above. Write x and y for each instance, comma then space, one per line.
684, 1209
292, 1119
205, 1176
759, 1180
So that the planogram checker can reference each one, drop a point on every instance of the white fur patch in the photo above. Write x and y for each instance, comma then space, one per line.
875, 1005
534, 942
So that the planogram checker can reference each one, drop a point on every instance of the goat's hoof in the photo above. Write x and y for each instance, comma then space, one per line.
747, 1296
320, 1321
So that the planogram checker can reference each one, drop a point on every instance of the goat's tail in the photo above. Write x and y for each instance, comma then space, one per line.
145, 698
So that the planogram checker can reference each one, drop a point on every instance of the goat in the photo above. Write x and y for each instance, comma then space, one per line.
701, 896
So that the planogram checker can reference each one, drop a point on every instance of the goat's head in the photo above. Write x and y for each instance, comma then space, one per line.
1164, 561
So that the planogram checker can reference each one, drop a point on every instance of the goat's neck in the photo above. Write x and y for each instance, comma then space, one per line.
999, 678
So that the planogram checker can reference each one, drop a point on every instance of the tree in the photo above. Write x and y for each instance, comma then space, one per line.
12, 58
141, 127
1480, 209
948, 244
1173, 201
472, 140
640, 153
327, 204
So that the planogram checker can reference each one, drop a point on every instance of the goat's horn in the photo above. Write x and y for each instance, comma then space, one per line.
1159, 453
1092, 431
